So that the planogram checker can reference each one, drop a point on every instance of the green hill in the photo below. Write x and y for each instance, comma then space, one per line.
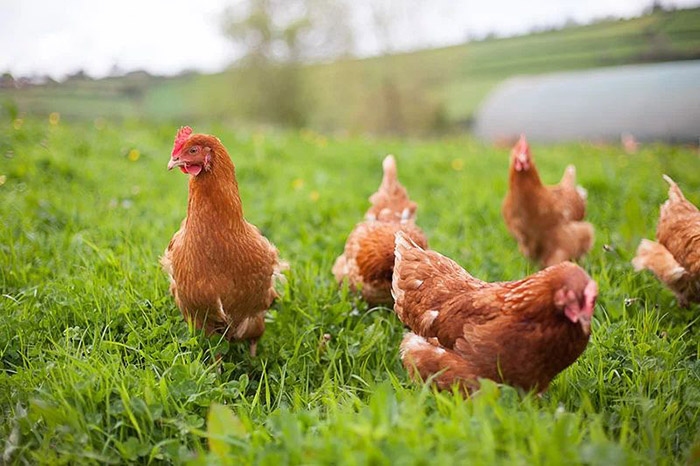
412, 92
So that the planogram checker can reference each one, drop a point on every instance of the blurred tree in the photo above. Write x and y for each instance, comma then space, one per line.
7, 80
401, 104
275, 38
657, 6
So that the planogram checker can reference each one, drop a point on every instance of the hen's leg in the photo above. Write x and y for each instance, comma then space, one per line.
251, 329
425, 358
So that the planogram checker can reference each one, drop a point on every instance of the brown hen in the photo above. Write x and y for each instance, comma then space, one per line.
545, 220
222, 270
675, 258
368, 259
522, 333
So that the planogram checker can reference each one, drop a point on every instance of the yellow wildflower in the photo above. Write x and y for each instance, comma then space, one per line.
298, 184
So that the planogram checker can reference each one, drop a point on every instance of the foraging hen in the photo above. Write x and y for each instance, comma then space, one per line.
522, 333
368, 259
675, 258
222, 270
545, 220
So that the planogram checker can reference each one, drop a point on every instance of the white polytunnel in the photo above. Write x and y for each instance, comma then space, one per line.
652, 102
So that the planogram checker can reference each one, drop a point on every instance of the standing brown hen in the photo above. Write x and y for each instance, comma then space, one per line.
222, 270
368, 259
545, 220
522, 333
675, 258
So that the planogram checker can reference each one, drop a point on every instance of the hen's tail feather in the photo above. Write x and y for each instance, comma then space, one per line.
422, 282
340, 268
426, 360
390, 186
390, 175
674, 192
655, 257
280, 266
391, 201
278, 277
569, 177
166, 263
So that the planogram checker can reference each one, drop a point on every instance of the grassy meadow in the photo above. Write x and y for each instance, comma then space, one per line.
422, 92
98, 366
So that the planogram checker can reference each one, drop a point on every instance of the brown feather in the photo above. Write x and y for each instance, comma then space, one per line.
512, 332
675, 258
221, 268
546, 221
367, 261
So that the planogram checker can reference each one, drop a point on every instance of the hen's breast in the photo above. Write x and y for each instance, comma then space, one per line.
233, 269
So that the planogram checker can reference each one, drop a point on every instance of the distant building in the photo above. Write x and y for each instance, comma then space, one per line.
649, 102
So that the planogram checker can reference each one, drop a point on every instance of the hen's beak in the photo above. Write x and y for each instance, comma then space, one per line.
174, 162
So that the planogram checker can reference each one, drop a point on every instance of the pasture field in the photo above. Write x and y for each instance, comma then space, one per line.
97, 365
418, 92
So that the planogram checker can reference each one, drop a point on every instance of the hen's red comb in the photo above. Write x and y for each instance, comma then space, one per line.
522, 143
521, 147
183, 135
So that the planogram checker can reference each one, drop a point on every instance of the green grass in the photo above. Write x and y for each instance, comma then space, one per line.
99, 367
418, 89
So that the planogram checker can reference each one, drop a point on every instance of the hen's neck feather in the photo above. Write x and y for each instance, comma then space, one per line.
529, 179
213, 195
533, 294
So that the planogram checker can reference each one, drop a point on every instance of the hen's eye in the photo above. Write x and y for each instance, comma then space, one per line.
193, 150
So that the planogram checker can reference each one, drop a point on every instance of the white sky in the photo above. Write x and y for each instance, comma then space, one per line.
167, 36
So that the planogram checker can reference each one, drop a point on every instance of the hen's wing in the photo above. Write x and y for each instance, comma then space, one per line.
278, 266
464, 327
679, 229
467, 328
433, 294
166, 260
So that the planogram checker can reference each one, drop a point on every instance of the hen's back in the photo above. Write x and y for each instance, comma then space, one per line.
679, 229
